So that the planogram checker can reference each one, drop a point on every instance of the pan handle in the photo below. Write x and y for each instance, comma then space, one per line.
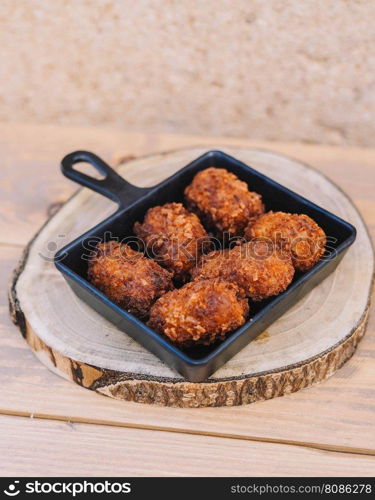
113, 186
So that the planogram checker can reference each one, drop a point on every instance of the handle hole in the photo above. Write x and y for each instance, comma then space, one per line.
86, 168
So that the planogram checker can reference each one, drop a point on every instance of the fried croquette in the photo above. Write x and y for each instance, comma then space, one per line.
200, 312
128, 278
222, 201
298, 234
174, 237
258, 267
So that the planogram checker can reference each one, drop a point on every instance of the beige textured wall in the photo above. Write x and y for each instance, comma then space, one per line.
273, 69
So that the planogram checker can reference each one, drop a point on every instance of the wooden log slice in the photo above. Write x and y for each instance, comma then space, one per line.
306, 345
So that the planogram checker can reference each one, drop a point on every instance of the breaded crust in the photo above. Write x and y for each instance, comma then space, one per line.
222, 201
173, 236
295, 233
259, 268
128, 278
200, 312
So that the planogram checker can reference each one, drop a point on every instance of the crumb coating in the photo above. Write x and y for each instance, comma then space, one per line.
259, 268
295, 233
223, 201
128, 278
173, 236
200, 312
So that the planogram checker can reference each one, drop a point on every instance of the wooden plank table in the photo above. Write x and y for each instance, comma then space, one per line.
327, 429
